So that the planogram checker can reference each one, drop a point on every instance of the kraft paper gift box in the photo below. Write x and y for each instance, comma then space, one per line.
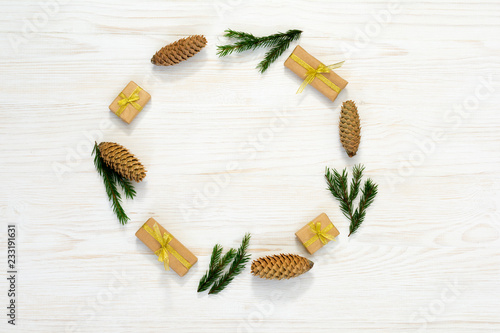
169, 250
317, 233
130, 102
323, 79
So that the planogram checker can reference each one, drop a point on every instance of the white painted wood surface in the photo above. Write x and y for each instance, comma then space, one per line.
426, 79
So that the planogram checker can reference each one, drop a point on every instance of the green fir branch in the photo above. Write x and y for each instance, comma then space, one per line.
126, 186
216, 255
369, 192
337, 184
278, 43
110, 180
357, 174
229, 33
273, 54
214, 262
216, 267
237, 266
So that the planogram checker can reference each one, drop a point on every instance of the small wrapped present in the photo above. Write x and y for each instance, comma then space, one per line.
313, 72
130, 102
168, 249
317, 233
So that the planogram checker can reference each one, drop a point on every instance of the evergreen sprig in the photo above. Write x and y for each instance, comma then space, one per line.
126, 186
239, 262
338, 186
278, 43
216, 268
111, 180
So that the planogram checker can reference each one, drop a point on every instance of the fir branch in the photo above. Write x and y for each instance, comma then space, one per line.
229, 33
337, 184
357, 174
110, 183
246, 42
239, 262
214, 262
215, 258
369, 192
126, 185
273, 54
278, 43
216, 267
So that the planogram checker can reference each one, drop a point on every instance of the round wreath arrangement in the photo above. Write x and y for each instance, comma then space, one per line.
119, 168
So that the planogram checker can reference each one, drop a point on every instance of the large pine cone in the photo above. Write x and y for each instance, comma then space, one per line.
122, 161
281, 266
349, 128
179, 51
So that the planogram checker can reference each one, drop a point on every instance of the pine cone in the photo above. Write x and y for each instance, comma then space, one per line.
281, 266
122, 161
349, 128
179, 51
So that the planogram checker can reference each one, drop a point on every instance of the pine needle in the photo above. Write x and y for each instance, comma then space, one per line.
239, 262
216, 267
110, 179
337, 184
278, 43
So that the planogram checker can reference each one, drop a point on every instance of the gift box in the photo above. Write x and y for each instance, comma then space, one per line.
130, 102
169, 250
317, 233
316, 74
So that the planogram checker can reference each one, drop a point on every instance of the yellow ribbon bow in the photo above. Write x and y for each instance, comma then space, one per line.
166, 248
319, 234
134, 96
317, 73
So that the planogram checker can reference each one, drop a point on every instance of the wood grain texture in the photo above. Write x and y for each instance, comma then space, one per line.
230, 151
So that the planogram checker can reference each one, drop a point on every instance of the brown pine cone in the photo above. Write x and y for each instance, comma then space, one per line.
179, 51
281, 266
122, 161
349, 128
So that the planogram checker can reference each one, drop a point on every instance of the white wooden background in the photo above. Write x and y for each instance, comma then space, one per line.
426, 79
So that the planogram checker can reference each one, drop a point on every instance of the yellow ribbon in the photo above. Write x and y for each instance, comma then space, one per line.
316, 73
165, 248
319, 234
134, 96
